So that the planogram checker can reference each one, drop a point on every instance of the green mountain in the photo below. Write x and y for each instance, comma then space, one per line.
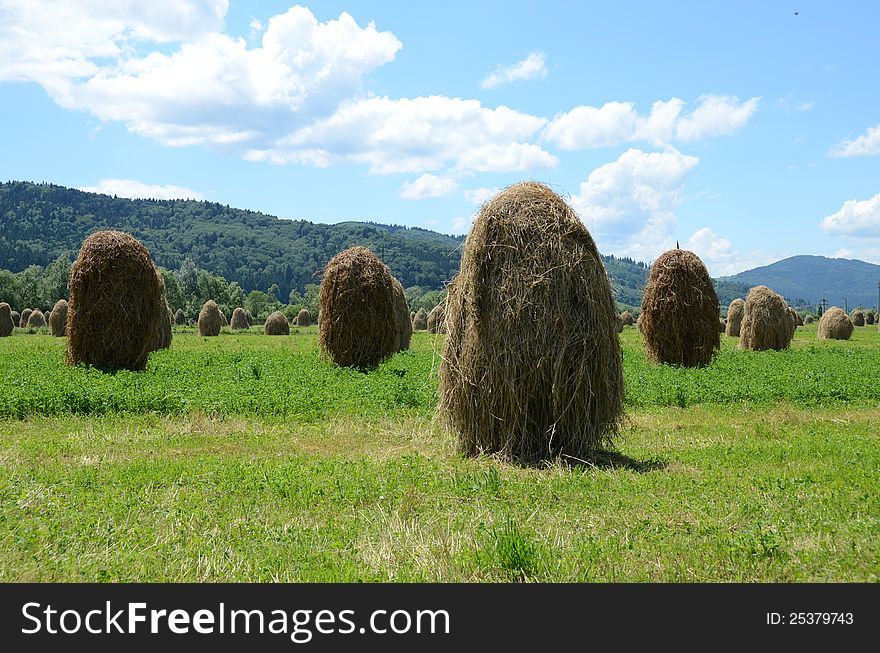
810, 279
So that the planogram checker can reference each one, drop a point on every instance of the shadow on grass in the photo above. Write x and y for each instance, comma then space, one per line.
613, 460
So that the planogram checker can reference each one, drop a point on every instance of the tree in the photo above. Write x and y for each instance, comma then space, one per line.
257, 303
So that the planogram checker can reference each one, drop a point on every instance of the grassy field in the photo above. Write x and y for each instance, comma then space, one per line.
246, 458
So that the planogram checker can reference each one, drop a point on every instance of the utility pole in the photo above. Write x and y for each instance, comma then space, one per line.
878, 297
823, 304
845, 306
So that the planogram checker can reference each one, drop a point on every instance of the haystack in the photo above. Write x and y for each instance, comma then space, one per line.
210, 321
58, 319
179, 317
835, 324
303, 318
531, 368
6, 323
23, 320
627, 318
358, 324
16, 318
858, 317
404, 325
420, 321
276, 325
36, 319
165, 322
116, 305
808, 319
436, 321
766, 323
239, 320
722, 325
869, 317
223, 321
680, 311
250, 318
794, 317
734, 317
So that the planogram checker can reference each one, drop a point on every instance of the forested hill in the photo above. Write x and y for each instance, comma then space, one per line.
40, 222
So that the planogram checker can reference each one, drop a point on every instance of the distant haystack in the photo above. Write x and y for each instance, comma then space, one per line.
420, 321
403, 322
6, 324
858, 317
722, 325
16, 318
734, 317
808, 319
870, 317
276, 325
23, 319
766, 323
36, 319
835, 324
165, 323
627, 318
303, 319
180, 317
795, 318
210, 321
58, 319
223, 321
239, 321
437, 319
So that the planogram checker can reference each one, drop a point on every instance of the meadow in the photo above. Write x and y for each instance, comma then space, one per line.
251, 458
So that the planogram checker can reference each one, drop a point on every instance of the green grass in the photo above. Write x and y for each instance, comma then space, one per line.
302, 472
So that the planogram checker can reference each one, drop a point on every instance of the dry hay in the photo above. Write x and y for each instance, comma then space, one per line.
858, 317
794, 317
808, 319
766, 323
276, 325
420, 321
436, 321
16, 318
639, 324
358, 323
116, 303
869, 317
531, 368
303, 318
627, 318
23, 319
239, 320
36, 319
404, 324
210, 321
722, 325
179, 317
835, 324
223, 321
6, 323
58, 319
734, 317
165, 334
680, 310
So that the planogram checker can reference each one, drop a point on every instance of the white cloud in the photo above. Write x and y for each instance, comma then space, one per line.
844, 252
532, 67
416, 135
857, 218
791, 104
867, 144
136, 189
427, 186
706, 244
618, 122
479, 196
627, 204
460, 225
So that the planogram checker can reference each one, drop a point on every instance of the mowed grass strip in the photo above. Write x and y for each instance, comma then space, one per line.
704, 494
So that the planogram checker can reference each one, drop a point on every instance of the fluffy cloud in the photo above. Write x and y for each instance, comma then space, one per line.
427, 186
867, 144
857, 218
532, 67
709, 246
460, 225
618, 122
479, 196
136, 189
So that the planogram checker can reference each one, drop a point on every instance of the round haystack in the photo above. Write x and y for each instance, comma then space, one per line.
358, 324
58, 319
869, 317
436, 321
180, 317
276, 325
116, 303
25, 315
16, 318
531, 368
858, 317
210, 321
36, 319
165, 322
722, 325
404, 324
835, 324
420, 321
808, 319
239, 320
223, 321
303, 318
766, 323
680, 310
6, 323
627, 318
794, 317
734, 317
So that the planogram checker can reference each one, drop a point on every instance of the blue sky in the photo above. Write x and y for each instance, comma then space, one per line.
743, 131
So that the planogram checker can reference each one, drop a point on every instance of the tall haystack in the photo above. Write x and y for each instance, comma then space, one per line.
357, 325
276, 325
420, 321
436, 321
16, 318
627, 318
808, 319
531, 368
210, 321
869, 317
303, 318
734, 317
58, 319
835, 324
23, 320
404, 325
680, 310
36, 319
239, 320
116, 306
766, 323
179, 317
858, 317
6, 323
